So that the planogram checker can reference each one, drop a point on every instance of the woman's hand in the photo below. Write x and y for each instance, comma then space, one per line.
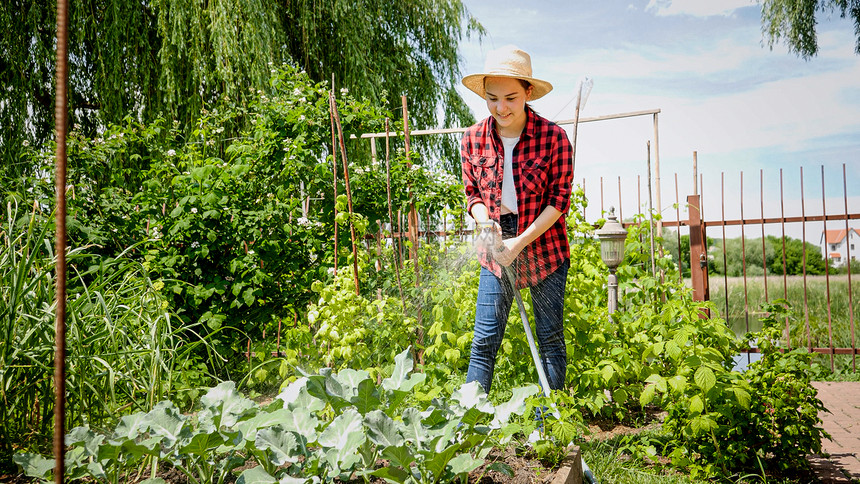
507, 252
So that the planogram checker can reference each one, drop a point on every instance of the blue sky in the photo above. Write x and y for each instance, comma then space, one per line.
721, 90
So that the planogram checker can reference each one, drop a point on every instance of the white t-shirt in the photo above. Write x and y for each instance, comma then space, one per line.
509, 190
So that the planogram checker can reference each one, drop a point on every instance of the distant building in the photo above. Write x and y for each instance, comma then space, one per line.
835, 245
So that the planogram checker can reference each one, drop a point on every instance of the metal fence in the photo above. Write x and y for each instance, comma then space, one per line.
824, 302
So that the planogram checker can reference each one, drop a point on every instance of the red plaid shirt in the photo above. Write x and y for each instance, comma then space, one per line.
543, 173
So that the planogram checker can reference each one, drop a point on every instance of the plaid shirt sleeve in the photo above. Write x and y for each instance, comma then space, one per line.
543, 175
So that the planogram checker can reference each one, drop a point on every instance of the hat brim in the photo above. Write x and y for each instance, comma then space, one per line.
475, 83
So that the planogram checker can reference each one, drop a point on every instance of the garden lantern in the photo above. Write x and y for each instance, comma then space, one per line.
612, 237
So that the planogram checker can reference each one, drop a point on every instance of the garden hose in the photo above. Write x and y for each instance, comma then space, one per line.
544, 383
489, 236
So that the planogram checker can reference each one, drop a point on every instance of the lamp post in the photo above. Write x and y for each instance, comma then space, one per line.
612, 237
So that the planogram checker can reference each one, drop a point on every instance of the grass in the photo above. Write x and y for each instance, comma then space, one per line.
122, 346
602, 456
744, 309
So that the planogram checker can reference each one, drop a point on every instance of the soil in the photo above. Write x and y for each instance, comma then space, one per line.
526, 470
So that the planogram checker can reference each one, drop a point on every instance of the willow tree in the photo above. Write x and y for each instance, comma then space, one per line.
794, 22
143, 58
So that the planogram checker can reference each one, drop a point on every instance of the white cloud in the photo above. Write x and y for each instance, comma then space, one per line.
697, 8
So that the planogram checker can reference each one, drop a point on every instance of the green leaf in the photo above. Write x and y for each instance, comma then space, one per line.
501, 468
607, 373
130, 427
262, 420
302, 422
412, 429
154, 480
705, 378
34, 465
472, 395
399, 455
391, 474
400, 379
382, 429
366, 398
296, 395
656, 348
225, 402
464, 463
515, 406
673, 350
678, 383
202, 443
742, 396
647, 394
282, 445
436, 461
85, 436
620, 396
343, 435
256, 475
696, 404
350, 378
165, 421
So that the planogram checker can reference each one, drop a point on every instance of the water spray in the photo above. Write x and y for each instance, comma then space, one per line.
489, 237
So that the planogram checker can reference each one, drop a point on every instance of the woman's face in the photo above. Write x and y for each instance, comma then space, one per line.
506, 100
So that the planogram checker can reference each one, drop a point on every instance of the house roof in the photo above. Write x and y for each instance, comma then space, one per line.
835, 255
836, 236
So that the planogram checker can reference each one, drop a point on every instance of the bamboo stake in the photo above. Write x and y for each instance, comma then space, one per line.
651, 214
413, 236
395, 245
61, 121
412, 216
334, 112
334, 176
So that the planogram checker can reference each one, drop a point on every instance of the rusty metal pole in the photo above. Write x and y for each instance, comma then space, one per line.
678, 232
827, 269
336, 114
784, 268
394, 245
412, 219
60, 125
848, 257
334, 175
698, 256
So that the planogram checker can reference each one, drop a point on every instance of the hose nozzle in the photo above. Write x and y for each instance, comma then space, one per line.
488, 235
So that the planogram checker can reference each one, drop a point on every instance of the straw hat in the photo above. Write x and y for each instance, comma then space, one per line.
507, 61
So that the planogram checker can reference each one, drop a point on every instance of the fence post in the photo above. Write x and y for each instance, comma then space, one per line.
698, 253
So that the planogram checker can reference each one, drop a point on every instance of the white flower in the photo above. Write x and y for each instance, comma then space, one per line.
171, 152
344, 90
228, 278
193, 209
302, 100
303, 221
302, 117
26, 143
330, 271
195, 244
297, 92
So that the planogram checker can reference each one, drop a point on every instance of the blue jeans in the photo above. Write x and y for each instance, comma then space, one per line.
491, 316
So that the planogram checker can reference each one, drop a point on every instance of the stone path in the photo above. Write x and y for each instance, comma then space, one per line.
842, 464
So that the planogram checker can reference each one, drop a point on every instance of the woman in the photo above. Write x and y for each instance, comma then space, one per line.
517, 173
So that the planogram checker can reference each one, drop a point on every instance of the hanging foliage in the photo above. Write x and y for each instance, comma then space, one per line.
149, 58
